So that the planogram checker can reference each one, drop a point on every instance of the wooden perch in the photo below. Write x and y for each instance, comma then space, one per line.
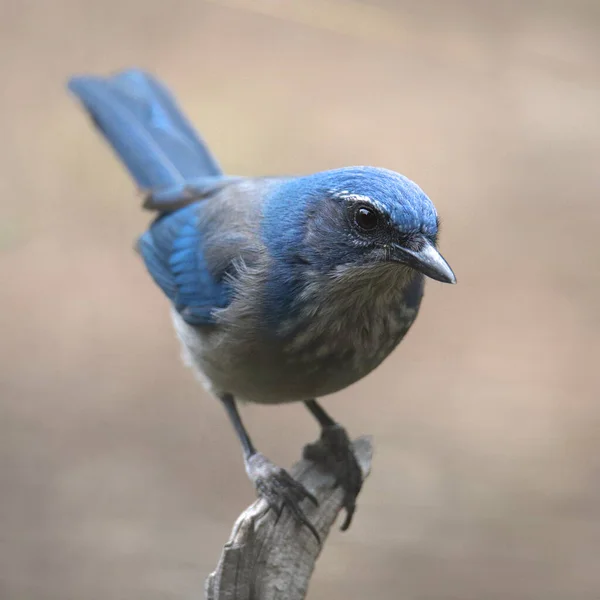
268, 558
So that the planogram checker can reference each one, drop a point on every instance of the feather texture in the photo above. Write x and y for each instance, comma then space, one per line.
147, 130
278, 293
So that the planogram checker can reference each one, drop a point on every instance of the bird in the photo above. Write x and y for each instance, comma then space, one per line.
282, 288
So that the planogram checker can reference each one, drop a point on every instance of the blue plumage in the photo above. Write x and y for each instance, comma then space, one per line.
173, 253
283, 289
138, 116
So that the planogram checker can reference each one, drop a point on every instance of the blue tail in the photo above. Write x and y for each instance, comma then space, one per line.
146, 128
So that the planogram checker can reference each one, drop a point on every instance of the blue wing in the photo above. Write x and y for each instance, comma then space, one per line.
149, 133
174, 255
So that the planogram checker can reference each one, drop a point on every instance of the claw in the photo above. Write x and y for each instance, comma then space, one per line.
279, 489
349, 514
334, 452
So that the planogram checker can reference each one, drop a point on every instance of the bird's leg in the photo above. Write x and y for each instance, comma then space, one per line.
272, 483
334, 452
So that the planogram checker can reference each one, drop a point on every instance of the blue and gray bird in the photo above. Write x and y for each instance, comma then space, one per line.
283, 289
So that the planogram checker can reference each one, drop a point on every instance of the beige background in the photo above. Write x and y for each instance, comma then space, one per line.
120, 478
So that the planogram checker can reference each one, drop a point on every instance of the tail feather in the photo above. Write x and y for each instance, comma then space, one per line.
147, 130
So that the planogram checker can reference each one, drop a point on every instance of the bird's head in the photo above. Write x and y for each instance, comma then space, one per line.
360, 217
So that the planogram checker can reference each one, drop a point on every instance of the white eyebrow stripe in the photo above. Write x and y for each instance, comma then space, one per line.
344, 194
366, 199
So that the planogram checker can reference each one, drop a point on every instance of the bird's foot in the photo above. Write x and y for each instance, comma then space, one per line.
333, 451
279, 489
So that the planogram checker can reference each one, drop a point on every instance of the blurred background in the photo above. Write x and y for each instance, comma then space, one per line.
120, 478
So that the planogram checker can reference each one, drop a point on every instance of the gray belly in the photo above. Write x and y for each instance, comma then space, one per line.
291, 368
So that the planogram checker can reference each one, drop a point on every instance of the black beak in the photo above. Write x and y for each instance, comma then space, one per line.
427, 260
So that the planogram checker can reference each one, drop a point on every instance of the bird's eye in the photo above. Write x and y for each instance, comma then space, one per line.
366, 218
